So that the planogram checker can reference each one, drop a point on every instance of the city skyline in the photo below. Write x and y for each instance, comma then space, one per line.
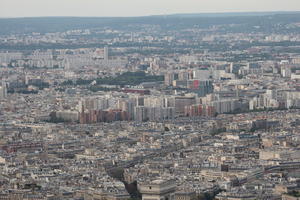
194, 106
127, 8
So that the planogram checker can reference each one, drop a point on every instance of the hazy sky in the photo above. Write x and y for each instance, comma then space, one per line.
25, 8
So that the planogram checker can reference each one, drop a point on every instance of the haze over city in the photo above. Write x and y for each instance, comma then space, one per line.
101, 8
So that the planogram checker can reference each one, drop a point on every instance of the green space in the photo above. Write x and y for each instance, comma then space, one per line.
127, 78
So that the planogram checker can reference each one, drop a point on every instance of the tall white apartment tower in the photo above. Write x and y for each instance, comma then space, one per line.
106, 56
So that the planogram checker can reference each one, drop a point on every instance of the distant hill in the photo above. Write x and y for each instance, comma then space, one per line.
234, 14
174, 22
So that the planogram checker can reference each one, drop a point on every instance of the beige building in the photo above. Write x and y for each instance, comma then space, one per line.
185, 195
158, 190
288, 197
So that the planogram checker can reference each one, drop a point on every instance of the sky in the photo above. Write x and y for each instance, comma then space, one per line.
101, 8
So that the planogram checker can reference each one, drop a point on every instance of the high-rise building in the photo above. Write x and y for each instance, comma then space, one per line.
169, 78
3, 91
106, 55
127, 105
202, 74
181, 102
184, 76
226, 105
143, 113
201, 87
286, 72
231, 68
199, 110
